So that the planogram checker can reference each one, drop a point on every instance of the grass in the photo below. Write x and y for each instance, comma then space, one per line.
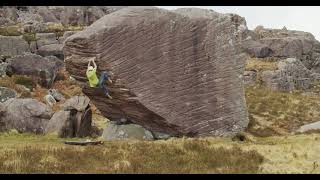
29, 37
261, 64
26, 153
13, 30
279, 113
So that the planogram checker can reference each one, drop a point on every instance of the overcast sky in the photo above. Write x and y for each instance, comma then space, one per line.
303, 18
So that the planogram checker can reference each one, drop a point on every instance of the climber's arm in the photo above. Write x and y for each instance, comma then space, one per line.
94, 64
89, 64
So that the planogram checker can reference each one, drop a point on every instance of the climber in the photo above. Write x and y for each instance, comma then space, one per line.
94, 81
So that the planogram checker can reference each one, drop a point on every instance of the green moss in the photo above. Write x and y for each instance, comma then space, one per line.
29, 37
13, 30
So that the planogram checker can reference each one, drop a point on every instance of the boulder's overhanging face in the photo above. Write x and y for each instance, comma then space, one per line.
175, 72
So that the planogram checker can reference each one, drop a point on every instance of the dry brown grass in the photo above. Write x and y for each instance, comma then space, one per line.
48, 155
260, 64
279, 113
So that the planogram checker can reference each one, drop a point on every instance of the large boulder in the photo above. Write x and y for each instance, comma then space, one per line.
24, 115
74, 120
174, 72
126, 131
6, 93
13, 45
40, 68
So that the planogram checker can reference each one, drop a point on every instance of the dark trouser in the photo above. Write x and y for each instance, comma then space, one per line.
102, 81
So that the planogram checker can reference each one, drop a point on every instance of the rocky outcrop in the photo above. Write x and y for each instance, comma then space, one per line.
290, 75
24, 115
126, 131
282, 44
74, 120
67, 15
13, 45
178, 73
42, 69
6, 93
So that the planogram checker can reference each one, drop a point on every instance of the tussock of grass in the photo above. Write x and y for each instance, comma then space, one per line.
173, 156
275, 113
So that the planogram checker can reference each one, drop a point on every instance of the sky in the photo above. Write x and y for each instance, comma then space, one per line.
303, 18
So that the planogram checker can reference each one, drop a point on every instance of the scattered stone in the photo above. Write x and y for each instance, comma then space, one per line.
56, 95
3, 69
160, 136
309, 127
6, 93
50, 100
250, 77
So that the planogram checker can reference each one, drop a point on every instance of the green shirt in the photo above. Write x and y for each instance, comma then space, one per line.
92, 77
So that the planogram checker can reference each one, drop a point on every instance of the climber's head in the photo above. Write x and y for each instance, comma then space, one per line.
90, 68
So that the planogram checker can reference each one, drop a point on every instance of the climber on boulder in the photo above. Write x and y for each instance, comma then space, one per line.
94, 81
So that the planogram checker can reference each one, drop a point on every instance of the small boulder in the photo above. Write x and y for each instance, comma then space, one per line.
126, 131
24, 115
3, 69
6, 93
51, 50
50, 100
56, 95
13, 45
256, 49
250, 77
309, 127
74, 120
46, 39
